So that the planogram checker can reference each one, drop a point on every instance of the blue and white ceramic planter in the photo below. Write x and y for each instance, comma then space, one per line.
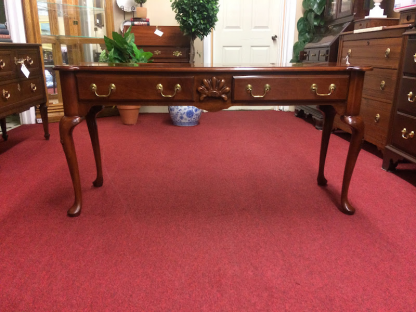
185, 115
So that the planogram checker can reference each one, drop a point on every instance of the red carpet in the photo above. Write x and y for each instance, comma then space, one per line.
225, 216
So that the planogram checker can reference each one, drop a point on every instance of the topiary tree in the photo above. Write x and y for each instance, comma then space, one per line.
140, 2
313, 17
196, 18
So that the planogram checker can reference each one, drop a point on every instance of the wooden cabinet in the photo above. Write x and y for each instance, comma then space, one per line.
402, 138
18, 91
383, 51
172, 47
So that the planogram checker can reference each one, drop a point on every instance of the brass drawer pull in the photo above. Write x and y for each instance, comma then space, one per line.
2, 64
406, 135
314, 88
324, 55
387, 53
33, 87
410, 97
249, 89
159, 89
6, 94
313, 54
382, 85
414, 57
23, 60
177, 53
377, 118
111, 88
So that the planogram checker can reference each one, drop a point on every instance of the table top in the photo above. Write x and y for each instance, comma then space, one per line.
185, 67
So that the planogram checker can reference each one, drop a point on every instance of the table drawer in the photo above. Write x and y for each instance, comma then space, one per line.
289, 88
20, 91
407, 94
376, 117
312, 55
133, 88
410, 57
383, 53
402, 127
169, 54
7, 67
380, 83
29, 56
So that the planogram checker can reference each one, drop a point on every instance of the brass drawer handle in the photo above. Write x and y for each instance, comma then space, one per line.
414, 57
33, 87
406, 135
2, 64
377, 118
387, 53
6, 94
249, 89
177, 53
325, 55
111, 88
314, 88
382, 85
313, 54
159, 89
410, 97
23, 60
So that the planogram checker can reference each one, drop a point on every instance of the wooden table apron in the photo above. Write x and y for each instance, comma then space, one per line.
87, 89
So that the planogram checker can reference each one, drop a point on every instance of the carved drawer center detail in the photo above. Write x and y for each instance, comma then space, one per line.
214, 88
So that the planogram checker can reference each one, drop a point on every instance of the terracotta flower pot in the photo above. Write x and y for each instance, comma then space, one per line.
128, 114
141, 12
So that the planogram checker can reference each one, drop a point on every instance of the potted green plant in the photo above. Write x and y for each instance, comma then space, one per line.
313, 17
141, 12
196, 19
122, 49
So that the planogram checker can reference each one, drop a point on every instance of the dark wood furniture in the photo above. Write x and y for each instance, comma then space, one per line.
339, 16
171, 47
19, 93
383, 51
402, 140
87, 89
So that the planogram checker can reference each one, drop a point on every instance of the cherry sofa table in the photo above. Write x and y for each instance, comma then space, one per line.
87, 88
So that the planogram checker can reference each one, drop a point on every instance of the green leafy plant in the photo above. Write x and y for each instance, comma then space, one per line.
122, 49
313, 16
196, 18
140, 2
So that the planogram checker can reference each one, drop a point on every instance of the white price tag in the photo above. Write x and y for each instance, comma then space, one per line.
159, 33
25, 71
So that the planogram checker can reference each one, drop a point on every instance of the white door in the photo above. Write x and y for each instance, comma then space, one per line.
249, 32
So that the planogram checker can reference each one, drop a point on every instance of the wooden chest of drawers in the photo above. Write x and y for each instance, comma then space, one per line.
171, 47
383, 51
18, 92
402, 138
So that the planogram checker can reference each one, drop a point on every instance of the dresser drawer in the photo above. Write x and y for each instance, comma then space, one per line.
31, 60
7, 67
409, 61
28, 89
169, 54
133, 88
380, 84
384, 53
376, 117
312, 55
402, 127
289, 87
407, 94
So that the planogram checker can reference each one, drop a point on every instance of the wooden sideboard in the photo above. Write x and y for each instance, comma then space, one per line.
18, 92
383, 51
171, 47
402, 138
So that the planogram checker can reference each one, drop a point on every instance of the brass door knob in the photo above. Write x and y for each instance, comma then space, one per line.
382, 85
387, 53
377, 118
406, 135
33, 87
6, 94
410, 97
2, 64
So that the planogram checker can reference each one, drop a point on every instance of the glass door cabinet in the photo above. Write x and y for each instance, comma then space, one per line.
70, 31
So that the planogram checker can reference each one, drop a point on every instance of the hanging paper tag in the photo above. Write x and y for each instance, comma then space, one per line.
25, 71
159, 33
